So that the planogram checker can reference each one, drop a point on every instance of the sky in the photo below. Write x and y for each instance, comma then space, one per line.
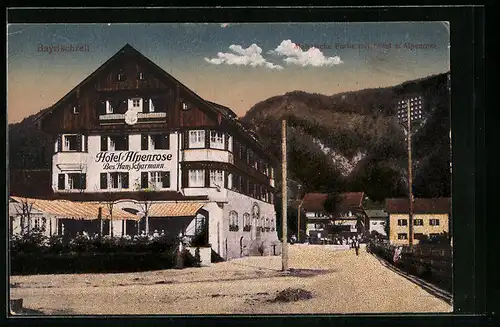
234, 64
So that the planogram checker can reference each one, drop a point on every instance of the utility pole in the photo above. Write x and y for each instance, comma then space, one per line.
298, 220
284, 250
410, 184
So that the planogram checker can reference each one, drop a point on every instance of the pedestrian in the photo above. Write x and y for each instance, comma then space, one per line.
356, 246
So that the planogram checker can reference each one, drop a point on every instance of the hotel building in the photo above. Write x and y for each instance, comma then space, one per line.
130, 132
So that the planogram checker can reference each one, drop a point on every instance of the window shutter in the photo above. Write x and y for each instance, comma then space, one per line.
207, 177
104, 181
144, 180
144, 142
126, 142
226, 142
59, 143
145, 105
104, 143
86, 143
102, 107
166, 179
61, 182
226, 179
125, 180
83, 181
79, 142
166, 142
185, 143
207, 139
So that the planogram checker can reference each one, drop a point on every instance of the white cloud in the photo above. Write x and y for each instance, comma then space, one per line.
295, 55
251, 56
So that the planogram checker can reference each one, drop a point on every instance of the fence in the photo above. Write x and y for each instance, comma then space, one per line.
430, 262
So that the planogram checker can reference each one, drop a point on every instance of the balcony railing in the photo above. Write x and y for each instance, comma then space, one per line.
111, 116
152, 115
140, 115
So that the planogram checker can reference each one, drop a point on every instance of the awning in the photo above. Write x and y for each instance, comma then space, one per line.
75, 210
175, 209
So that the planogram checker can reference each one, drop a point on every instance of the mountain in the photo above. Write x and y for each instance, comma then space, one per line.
353, 141
345, 142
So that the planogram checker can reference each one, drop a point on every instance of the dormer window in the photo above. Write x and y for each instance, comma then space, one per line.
140, 76
185, 106
76, 109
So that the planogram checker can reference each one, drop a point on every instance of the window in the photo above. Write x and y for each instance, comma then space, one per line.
418, 222
418, 236
246, 220
159, 142
77, 181
433, 235
121, 76
197, 178
196, 139
434, 222
185, 106
140, 76
159, 179
118, 143
136, 103
109, 107
71, 143
402, 236
216, 140
402, 222
216, 178
233, 221
118, 180
61, 182
76, 110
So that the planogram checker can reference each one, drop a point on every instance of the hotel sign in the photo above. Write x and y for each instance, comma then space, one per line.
131, 160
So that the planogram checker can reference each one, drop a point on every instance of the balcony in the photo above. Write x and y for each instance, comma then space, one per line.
151, 115
207, 155
70, 161
112, 117
140, 116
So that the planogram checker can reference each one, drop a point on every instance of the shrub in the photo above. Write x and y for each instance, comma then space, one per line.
32, 242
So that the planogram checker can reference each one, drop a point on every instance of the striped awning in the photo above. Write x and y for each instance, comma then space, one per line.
75, 210
175, 209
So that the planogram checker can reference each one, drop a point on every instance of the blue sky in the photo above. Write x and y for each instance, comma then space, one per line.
237, 65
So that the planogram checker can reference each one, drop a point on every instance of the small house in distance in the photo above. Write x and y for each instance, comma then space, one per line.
377, 221
431, 217
347, 220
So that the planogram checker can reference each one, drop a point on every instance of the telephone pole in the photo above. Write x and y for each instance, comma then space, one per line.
284, 250
410, 184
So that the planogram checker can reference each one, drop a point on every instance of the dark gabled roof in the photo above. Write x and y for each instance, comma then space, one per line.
217, 108
226, 111
420, 205
314, 202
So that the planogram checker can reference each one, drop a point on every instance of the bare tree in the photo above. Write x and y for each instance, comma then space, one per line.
145, 200
24, 209
108, 201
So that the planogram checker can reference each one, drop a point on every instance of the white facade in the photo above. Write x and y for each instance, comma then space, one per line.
124, 169
19, 222
378, 225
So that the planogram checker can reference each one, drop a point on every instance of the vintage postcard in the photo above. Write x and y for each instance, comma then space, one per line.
151, 166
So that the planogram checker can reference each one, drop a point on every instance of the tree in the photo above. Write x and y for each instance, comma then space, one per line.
146, 200
331, 202
24, 209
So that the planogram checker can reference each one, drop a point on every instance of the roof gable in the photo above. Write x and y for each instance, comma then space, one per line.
420, 205
314, 202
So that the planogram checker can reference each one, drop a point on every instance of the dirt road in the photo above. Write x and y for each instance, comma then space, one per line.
340, 282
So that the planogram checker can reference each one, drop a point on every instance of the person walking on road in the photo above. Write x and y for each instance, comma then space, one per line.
356, 246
